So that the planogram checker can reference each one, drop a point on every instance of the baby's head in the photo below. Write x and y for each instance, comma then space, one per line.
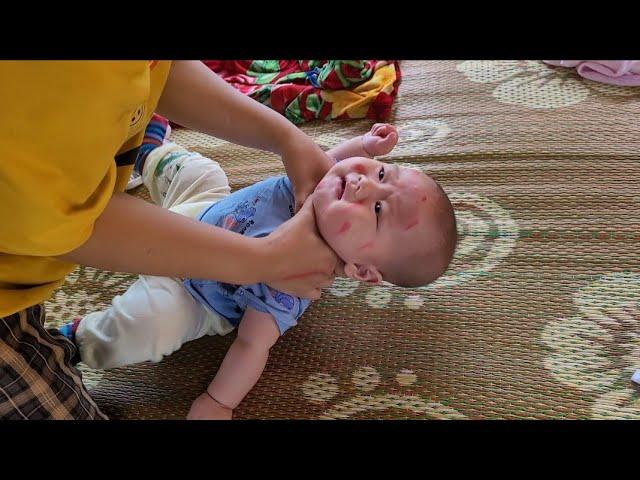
386, 222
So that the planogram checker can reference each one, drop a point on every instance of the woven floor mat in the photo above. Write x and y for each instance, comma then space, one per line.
539, 314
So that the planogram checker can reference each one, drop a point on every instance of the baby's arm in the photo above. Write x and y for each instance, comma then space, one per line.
380, 140
240, 369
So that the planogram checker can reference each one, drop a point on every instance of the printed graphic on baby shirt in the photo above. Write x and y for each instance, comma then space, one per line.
283, 299
242, 217
254, 211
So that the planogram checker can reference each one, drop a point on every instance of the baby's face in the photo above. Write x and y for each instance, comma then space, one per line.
366, 210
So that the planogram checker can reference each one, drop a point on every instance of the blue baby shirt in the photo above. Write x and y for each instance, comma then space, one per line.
254, 211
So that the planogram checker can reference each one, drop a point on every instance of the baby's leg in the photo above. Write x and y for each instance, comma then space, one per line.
183, 181
153, 318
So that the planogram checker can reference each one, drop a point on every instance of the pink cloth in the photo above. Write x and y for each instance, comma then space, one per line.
625, 73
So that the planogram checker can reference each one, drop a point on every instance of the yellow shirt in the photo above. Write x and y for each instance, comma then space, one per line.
63, 127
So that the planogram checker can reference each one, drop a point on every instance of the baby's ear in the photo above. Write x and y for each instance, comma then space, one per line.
364, 273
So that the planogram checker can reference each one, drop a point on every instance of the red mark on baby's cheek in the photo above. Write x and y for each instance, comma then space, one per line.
411, 225
366, 245
351, 206
424, 199
345, 226
358, 167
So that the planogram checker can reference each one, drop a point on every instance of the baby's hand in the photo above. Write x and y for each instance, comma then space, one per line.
206, 408
380, 140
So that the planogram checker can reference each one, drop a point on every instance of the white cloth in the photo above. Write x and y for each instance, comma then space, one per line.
182, 181
152, 319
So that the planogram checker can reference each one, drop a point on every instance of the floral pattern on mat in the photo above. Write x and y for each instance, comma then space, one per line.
366, 394
414, 136
534, 84
597, 350
487, 235
83, 292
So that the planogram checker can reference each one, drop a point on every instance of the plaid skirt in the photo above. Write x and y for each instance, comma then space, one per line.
37, 378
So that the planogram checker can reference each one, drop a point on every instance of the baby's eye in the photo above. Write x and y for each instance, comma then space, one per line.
381, 174
377, 208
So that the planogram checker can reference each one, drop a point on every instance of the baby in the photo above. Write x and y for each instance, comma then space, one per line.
385, 222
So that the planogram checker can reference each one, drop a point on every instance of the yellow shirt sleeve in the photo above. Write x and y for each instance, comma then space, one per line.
62, 126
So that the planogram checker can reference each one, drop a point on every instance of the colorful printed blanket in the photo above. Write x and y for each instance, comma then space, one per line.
304, 90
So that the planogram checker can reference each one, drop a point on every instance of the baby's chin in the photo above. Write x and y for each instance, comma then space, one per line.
322, 200
323, 223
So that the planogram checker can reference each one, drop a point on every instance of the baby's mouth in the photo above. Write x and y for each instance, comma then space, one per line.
343, 182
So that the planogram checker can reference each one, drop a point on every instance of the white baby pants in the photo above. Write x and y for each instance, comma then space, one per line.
157, 315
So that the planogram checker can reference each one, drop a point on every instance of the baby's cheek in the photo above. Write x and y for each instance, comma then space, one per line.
344, 228
353, 208
345, 210
335, 221
366, 246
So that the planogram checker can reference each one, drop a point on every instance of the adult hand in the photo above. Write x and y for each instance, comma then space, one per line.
301, 262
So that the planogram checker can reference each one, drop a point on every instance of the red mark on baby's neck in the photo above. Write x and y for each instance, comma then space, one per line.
366, 245
345, 226
411, 224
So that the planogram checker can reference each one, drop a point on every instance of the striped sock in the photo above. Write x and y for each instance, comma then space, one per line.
154, 135
69, 329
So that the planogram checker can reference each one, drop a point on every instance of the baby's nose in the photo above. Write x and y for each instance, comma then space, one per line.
357, 184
